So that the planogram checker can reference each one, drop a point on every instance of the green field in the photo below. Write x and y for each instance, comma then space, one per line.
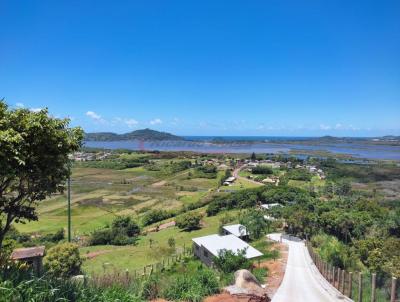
133, 257
98, 195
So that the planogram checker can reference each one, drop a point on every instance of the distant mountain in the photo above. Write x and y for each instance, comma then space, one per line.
143, 134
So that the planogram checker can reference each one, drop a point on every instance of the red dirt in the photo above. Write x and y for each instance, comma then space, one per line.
276, 269
162, 226
92, 255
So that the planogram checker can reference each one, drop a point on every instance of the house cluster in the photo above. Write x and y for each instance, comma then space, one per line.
312, 169
89, 156
232, 239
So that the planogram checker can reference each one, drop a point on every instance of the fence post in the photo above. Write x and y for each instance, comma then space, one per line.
338, 279
373, 288
334, 276
350, 285
343, 280
393, 290
360, 287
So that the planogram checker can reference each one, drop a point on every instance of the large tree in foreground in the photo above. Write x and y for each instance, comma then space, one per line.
34, 149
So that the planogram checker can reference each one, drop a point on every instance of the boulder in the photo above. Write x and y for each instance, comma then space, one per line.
246, 285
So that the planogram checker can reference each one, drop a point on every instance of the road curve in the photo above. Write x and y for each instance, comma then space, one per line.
302, 281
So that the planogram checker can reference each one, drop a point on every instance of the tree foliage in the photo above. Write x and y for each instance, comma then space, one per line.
189, 221
63, 260
33, 161
228, 261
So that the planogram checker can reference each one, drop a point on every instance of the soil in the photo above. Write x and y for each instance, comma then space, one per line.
276, 271
92, 255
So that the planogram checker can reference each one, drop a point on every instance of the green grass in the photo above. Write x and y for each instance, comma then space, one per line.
136, 256
100, 194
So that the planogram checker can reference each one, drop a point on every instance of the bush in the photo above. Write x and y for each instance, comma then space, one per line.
189, 221
156, 216
126, 225
228, 261
123, 231
63, 260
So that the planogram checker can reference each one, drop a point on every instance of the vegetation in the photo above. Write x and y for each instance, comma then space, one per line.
123, 231
264, 170
254, 222
143, 134
189, 221
63, 260
229, 262
33, 161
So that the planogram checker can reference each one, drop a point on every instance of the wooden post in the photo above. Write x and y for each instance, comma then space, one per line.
373, 288
144, 270
338, 279
350, 285
343, 280
393, 290
360, 287
334, 276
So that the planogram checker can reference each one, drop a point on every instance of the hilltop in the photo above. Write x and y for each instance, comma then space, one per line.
142, 134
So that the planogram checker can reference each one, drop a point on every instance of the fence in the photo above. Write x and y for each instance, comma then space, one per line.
358, 286
127, 277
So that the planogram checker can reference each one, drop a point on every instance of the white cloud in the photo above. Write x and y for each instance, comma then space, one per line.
324, 127
19, 105
93, 115
155, 121
35, 109
338, 126
131, 122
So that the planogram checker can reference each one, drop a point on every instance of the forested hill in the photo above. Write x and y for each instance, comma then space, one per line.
143, 134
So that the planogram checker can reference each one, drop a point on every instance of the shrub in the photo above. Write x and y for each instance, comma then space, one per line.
189, 221
228, 261
156, 216
123, 231
126, 225
63, 260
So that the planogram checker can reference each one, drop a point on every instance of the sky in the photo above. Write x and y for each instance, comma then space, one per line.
270, 67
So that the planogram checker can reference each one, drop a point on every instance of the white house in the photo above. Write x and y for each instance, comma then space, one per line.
270, 205
208, 247
235, 229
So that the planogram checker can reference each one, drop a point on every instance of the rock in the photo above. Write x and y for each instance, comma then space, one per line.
80, 279
247, 286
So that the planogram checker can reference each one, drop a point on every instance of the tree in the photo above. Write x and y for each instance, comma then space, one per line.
228, 261
253, 157
255, 223
189, 221
63, 260
33, 161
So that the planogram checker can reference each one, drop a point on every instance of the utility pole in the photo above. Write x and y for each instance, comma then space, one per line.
69, 206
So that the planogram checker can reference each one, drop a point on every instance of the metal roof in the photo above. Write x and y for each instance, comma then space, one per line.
270, 205
215, 243
236, 229
28, 252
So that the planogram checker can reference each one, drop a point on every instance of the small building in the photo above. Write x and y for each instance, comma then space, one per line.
237, 230
208, 247
229, 181
270, 205
31, 255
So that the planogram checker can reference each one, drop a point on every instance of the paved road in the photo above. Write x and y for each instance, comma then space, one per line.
302, 281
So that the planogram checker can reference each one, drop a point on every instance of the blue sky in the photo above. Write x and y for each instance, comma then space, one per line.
207, 67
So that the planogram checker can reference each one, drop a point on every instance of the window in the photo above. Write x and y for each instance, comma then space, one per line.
205, 253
